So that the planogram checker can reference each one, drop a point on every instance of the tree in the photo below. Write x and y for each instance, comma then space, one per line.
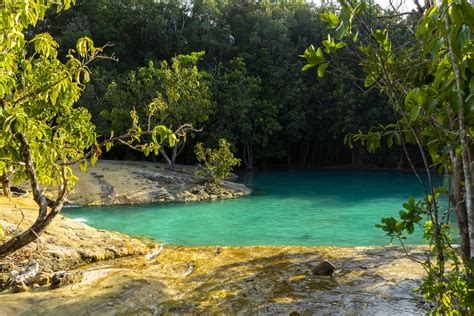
178, 94
43, 132
217, 163
266, 34
239, 113
430, 83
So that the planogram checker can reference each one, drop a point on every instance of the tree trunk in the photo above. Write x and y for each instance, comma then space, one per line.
177, 150
6, 183
356, 156
32, 233
248, 156
401, 160
165, 156
465, 154
288, 155
44, 218
457, 199
304, 154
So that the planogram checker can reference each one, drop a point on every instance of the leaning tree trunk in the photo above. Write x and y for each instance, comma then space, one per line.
44, 218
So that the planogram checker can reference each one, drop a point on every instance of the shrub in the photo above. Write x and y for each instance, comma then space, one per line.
216, 164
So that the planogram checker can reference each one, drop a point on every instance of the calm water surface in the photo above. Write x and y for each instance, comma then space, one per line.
331, 208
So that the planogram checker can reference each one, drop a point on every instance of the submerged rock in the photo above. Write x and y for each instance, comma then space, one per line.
324, 268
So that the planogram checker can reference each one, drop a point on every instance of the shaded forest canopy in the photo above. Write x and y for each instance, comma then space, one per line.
259, 99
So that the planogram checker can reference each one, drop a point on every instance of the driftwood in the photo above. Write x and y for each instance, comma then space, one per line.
191, 267
154, 254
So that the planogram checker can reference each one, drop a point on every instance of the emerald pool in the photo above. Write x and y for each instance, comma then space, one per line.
324, 207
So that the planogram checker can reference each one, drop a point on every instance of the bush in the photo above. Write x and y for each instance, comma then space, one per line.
216, 164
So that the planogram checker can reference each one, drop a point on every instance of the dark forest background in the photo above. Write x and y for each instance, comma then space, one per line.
273, 114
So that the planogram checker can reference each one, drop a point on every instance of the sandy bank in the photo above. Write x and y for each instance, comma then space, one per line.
131, 182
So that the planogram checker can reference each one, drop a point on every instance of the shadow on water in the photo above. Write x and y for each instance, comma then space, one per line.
361, 185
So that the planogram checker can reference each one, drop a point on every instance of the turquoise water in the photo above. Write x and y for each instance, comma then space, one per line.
331, 208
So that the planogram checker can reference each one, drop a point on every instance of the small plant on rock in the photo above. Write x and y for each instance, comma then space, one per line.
216, 164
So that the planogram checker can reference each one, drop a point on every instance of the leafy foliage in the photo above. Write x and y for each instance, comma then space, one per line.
428, 80
239, 113
38, 92
43, 133
217, 163
173, 95
302, 121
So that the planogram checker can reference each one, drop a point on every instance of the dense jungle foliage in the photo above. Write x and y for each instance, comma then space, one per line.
272, 113
212, 72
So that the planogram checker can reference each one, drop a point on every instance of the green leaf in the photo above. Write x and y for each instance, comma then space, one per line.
322, 69
369, 80
83, 165
94, 158
463, 37
84, 45
433, 148
108, 146
415, 112
307, 66
331, 18
456, 14
356, 36
340, 45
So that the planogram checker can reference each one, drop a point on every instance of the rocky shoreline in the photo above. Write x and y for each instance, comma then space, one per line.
67, 243
264, 280
63, 246
129, 182
79, 270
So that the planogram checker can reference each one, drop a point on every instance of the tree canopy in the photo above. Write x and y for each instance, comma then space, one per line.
303, 118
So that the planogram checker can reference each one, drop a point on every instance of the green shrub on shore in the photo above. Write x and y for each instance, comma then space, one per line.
216, 164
